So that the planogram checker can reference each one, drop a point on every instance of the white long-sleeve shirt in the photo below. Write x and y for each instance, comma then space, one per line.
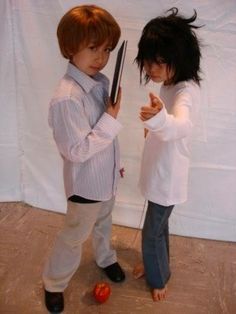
86, 136
165, 160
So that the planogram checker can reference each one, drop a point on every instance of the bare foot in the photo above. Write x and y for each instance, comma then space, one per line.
138, 271
159, 294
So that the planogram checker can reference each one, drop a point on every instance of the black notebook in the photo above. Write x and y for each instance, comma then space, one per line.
118, 71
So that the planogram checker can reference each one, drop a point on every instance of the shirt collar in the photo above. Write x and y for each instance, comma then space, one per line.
85, 81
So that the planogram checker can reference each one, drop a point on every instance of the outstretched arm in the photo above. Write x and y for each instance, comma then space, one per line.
169, 126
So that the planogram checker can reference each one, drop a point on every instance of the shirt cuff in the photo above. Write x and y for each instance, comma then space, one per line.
109, 125
157, 122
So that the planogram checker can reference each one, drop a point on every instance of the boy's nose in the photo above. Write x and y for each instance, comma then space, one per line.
152, 67
100, 57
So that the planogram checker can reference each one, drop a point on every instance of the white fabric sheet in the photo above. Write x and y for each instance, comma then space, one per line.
30, 67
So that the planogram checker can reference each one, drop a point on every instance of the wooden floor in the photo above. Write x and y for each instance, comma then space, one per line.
203, 272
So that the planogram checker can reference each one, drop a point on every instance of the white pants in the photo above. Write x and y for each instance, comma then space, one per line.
81, 220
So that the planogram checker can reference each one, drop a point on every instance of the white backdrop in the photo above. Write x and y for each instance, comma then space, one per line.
30, 67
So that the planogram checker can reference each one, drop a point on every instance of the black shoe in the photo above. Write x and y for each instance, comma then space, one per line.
54, 301
114, 272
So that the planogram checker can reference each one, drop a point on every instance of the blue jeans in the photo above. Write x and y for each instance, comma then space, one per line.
155, 245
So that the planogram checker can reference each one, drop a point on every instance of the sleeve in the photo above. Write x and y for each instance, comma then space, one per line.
174, 125
74, 137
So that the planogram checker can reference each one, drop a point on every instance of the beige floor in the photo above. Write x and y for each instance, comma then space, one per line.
203, 272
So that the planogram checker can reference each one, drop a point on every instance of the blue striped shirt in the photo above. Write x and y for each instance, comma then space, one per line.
86, 136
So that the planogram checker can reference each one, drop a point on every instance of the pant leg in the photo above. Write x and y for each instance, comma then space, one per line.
66, 254
155, 239
104, 254
166, 233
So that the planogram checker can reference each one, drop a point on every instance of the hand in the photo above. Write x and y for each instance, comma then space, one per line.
122, 171
149, 111
113, 109
155, 101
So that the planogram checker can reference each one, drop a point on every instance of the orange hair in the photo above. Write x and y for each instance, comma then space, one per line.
84, 24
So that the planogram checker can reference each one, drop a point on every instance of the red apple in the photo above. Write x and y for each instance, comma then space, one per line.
101, 291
